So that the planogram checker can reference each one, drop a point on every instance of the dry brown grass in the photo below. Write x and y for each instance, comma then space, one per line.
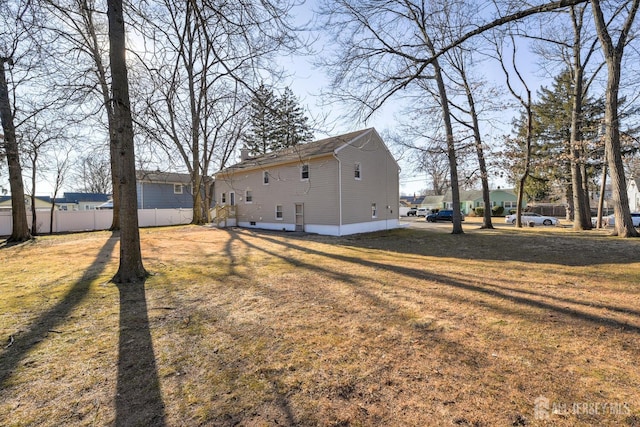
241, 327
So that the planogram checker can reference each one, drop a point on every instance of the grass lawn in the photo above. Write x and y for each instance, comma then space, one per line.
412, 327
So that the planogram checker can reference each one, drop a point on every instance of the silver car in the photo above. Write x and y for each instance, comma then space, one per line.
611, 219
528, 217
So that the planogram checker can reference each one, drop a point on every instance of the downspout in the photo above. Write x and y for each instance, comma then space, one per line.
339, 193
141, 195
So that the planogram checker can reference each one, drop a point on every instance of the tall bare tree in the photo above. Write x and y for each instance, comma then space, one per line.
92, 174
20, 230
510, 69
130, 269
61, 165
206, 57
82, 58
15, 43
380, 51
570, 42
613, 52
468, 116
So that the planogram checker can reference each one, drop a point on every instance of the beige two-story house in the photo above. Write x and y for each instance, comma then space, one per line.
336, 186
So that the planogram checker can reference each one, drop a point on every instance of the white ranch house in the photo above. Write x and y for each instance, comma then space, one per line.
336, 186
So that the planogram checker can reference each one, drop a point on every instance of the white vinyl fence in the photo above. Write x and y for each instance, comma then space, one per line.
64, 221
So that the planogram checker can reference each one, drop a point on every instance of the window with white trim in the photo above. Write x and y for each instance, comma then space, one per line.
248, 196
304, 172
177, 189
374, 210
510, 205
265, 177
223, 199
279, 212
356, 171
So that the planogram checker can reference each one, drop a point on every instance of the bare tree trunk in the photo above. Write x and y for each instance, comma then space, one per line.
585, 187
34, 219
603, 188
527, 160
581, 217
20, 230
101, 74
130, 269
613, 56
568, 194
484, 175
451, 150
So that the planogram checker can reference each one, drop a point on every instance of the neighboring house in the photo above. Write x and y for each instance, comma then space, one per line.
411, 201
81, 201
336, 186
633, 193
432, 202
471, 199
163, 190
42, 202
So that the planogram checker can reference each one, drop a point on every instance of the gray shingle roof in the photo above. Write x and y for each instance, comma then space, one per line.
83, 197
159, 176
299, 152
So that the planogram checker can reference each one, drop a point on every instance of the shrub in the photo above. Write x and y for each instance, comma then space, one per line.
479, 211
497, 211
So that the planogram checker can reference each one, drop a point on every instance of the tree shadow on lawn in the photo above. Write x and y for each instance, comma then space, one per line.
49, 320
466, 361
547, 247
516, 297
138, 398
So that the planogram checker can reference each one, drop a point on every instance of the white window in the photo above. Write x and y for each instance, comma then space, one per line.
279, 212
248, 196
510, 205
304, 172
374, 210
223, 199
265, 177
177, 188
356, 171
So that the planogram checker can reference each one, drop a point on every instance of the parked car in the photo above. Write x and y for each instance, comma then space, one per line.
423, 212
611, 219
536, 218
412, 212
442, 215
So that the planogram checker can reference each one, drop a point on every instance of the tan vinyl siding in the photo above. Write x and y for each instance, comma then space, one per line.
286, 188
378, 181
335, 200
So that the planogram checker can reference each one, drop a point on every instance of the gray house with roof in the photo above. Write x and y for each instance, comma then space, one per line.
81, 201
163, 190
335, 186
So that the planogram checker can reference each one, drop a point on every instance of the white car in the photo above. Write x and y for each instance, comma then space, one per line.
536, 218
611, 219
423, 212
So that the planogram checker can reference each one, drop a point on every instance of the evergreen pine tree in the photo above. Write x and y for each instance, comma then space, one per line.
552, 128
293, 127
263, 122
277, 122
